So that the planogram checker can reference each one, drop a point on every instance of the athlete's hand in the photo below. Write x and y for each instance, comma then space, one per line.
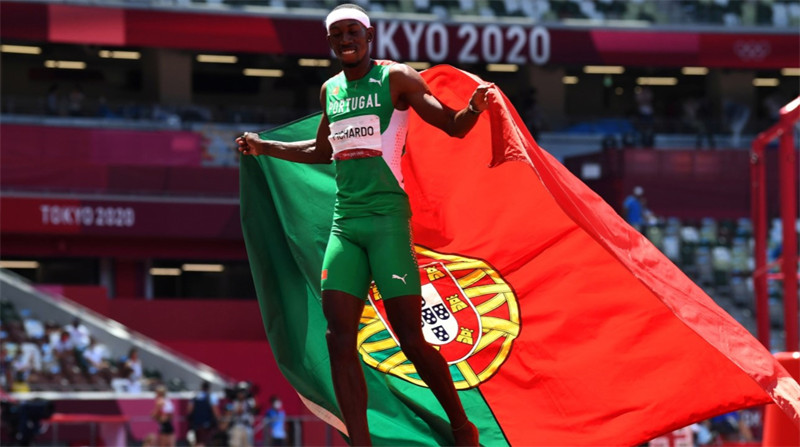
248, 144
480, 97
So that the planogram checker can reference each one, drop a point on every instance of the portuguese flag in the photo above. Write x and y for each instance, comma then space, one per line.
562, 325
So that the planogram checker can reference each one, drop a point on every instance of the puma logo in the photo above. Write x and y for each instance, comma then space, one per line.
380, 84
401, 278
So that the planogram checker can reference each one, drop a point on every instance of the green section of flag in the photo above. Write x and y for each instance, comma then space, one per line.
286, 211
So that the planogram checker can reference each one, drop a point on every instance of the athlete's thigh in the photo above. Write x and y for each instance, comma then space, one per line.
345, 266
392, 259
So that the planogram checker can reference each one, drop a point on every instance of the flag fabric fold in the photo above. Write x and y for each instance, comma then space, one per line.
562, 324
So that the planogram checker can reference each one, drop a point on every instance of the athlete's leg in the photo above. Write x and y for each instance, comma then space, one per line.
343, 312
404, 313
345, 278
394, 267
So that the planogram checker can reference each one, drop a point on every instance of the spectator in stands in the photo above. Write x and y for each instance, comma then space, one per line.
162, 413
697, 115
130, 380
52, 332
79, 334
729, 428
772, 105
6, 377
134, 365
633, 207
27, 361
103, 109
49, 359
53, 101
645, 116
63, 346
203, 415
64, 355
702, 433
96, 358
275, 421
75, 101
736, 116
19, 369
240, 413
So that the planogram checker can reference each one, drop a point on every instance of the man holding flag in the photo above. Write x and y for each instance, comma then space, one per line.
363, 130
546, 305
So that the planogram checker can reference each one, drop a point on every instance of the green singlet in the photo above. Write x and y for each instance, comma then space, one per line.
371, 235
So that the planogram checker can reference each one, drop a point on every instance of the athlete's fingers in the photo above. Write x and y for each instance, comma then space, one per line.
485, 88
243, 143
242, 146
480, 98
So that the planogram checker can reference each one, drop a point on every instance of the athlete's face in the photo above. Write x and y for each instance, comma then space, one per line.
349, 40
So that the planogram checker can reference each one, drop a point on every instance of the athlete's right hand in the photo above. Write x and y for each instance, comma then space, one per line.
247, 143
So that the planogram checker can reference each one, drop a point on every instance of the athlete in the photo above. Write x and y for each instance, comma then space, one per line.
362, 130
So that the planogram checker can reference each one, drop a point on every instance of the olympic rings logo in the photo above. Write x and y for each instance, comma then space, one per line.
752, 50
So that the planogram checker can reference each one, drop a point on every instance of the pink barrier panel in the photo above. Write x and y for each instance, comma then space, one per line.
52, 175
99, 146
28, 144
145, 148
174, 179
70, 176
137, 179
207, 180
202, 320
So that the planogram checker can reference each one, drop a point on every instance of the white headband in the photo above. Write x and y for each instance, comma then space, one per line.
344, 14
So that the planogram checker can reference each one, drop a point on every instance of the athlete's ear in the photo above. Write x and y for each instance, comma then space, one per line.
370, 34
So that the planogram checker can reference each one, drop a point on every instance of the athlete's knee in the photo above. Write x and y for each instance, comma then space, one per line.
342, 313
340, 339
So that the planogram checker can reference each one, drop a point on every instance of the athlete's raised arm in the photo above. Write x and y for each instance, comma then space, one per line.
413, 91
306, 151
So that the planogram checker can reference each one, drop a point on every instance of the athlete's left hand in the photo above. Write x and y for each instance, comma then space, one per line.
480, 98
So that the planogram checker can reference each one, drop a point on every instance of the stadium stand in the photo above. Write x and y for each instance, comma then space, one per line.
724, 12
35, 334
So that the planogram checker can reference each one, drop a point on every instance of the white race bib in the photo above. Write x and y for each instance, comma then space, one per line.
359, 132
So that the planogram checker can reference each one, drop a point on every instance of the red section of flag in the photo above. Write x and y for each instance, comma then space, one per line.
613, 336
